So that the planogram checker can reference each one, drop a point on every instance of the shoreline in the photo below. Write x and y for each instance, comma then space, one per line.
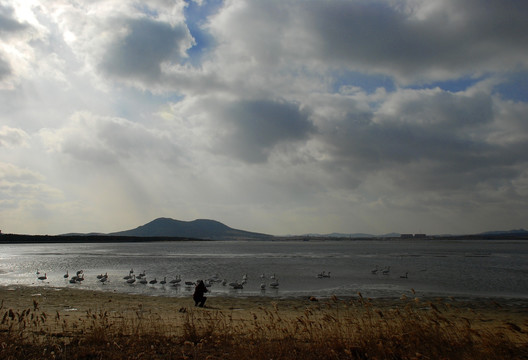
65, 323
69, 300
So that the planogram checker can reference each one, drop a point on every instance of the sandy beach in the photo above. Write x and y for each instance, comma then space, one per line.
73, 305
67, 314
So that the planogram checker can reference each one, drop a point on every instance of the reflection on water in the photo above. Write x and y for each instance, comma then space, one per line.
457, 268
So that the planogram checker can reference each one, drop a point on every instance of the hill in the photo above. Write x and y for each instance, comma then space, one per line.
198, 229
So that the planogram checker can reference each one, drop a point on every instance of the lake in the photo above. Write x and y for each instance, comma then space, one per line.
462, 268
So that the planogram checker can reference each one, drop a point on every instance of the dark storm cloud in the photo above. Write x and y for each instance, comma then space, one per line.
458, 37
145, 47
255, 127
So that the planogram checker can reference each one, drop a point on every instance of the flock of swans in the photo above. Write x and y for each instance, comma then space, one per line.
386, 271
132, 278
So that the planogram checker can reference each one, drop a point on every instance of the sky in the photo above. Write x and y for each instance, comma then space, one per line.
274, 116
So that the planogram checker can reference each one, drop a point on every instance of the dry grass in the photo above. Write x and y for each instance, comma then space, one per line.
352, 329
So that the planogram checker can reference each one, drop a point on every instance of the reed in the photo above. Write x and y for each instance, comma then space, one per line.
336, 329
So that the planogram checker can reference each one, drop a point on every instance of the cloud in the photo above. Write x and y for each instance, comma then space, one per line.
278, 116
418, 42
253, 128
409, 41
8, 23
104, 140
11, 137
142, 49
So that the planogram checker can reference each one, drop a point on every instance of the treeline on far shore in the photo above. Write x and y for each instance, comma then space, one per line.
102, 238
43, 239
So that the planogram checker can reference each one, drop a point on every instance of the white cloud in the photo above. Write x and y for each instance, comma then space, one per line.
10, 137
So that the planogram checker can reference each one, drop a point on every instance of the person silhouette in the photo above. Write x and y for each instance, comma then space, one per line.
198, 296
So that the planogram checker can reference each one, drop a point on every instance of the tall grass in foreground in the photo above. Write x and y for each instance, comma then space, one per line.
353, 329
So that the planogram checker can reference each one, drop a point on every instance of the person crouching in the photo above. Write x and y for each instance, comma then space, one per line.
198, 296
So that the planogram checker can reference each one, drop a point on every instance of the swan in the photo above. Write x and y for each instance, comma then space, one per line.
43, 277
274, 284
236, 285
80, 278
73, 280
66, 275
262, 276
386, 271
244, 277
164, 281
103, 279
79, 272
129, 276
404, 276
143, 281
131, 280
262, 286
272, 276
375, 271
142, 274
153, 281
176, 280
189, 283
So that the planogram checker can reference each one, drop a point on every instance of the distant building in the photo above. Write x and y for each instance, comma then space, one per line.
411, 236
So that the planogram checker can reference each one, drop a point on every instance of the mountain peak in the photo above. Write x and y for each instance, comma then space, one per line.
199, 229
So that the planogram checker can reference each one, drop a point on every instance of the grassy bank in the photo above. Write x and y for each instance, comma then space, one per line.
334, 329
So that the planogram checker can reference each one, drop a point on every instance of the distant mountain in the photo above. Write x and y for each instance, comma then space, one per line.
198, 229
